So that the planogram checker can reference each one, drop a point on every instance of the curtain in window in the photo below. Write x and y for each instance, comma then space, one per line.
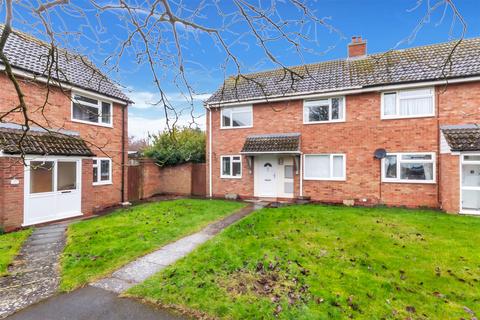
416, 106
317, 166
389, 103
337, 166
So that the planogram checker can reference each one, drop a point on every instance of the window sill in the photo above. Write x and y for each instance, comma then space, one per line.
325, 122
407, 117
230, 128
93, 123
229, 177
103, 183
409, 181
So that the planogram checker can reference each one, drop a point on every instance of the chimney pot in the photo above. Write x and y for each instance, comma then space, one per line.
357, 48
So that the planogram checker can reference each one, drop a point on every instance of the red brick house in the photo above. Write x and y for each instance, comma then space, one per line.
399, 128
75, 156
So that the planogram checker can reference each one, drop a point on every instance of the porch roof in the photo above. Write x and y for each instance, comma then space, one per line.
272, 143
42, 142
463, 137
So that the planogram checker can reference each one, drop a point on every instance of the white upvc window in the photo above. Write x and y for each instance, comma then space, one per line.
409, 167
410, 103
324, 110
102, 171
237, 117
91, 110
324, 167
231, 167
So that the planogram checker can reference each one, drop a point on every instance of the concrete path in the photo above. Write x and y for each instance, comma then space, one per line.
34, 274
92, 304
146, 266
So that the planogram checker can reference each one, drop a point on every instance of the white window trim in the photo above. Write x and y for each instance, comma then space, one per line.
397, 104
231, 118
98, 168
98, 106
399, 154
231, 167
461, 188
331, 178
308, 103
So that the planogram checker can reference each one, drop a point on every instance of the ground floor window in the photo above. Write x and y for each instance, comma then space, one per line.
231, 166
409, 167
102, 171
324, 167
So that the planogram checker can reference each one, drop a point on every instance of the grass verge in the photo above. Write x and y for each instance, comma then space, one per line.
10, 245
98, 246
329, 262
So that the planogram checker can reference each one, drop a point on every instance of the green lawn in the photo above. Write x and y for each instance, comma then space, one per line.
10, 245
98, 246
328, 262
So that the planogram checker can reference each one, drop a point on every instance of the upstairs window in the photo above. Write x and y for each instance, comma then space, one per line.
408, 103
102, 171
86, 109
237, 117
409, 167
324, 110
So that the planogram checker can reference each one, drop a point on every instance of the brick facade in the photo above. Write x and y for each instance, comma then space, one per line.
103, 141
358, 137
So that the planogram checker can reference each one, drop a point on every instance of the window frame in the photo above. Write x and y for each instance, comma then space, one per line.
311, 102
222, 110
397, 104
399, 161
87, 104
230, 176
99, 172
330, 178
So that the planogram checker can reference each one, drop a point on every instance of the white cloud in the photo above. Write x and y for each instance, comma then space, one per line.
148, 99
140, 127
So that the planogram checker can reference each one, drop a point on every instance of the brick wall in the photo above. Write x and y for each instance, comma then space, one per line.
358, 137
11, 195
104, 141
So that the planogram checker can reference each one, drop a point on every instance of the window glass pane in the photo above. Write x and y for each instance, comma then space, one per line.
226, 166
416, 106
241, 119
317, 166
86, 99
85, 113
389, 104
288, 172
236, 158
338, 167
416, 157
390, 166
318, 113
41, 176
415, 93
95, 174
105, 170
337, 108
66, 175
236, 169
106, 115
416, 171
226, 121
288, 187
471, 158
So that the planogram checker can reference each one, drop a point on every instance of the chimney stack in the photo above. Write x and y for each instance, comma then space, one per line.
357, 48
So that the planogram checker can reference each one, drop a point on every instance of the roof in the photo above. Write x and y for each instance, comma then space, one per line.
30, 54
417, 64
278, 143
463, 137
42, 142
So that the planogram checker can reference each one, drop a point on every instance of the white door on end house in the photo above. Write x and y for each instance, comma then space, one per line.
266, 176
470, 184
52, 190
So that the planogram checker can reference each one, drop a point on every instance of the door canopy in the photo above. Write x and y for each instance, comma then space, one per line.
282, 143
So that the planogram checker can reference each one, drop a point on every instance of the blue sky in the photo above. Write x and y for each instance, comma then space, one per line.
385, 24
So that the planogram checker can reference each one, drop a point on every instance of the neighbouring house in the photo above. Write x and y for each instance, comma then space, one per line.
75, 156
399, 128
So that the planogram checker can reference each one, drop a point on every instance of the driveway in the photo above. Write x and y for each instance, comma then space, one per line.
92, 303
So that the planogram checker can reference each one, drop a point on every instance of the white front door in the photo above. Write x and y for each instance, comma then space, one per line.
266, 176
52, 189
470, 184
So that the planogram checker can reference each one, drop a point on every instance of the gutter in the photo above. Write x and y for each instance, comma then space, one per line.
210, 186
123, 156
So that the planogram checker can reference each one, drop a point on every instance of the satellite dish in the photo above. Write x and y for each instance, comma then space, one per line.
380, 153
